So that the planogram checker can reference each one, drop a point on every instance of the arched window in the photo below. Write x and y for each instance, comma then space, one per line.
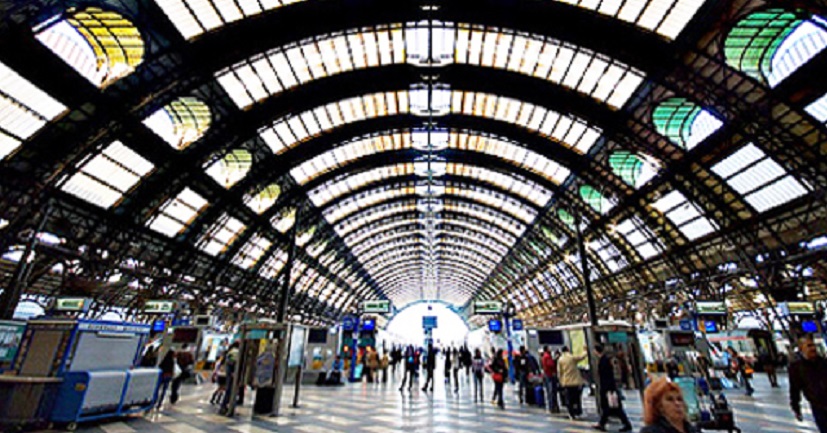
566, 218
102, 46
770, 45
231, 168
595, 199
262, 200
683, 122
634, 169
181, 122
284, 220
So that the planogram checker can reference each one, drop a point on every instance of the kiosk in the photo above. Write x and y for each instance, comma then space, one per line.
620, 338
94, 362
320, 353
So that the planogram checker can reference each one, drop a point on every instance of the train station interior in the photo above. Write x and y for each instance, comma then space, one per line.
244, 216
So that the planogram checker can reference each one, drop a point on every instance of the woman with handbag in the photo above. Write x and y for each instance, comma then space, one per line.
498, 372
741, 368
167, 367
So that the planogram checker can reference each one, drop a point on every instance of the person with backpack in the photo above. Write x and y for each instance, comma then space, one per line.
478, 370
550, 379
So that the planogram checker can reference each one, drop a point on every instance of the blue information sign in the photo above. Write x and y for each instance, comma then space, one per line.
349, 323
686, 325
428, 322
516, 325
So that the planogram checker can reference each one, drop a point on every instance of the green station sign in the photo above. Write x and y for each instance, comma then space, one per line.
797, 308
159, 307
711, 308
73, 304
488, 307
379, 307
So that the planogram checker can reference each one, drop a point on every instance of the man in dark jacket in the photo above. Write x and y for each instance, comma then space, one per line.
808, 375
610, 405
430, 365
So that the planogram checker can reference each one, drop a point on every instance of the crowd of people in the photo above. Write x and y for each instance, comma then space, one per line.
552, 381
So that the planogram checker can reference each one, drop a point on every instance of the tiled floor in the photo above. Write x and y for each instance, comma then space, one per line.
363, 407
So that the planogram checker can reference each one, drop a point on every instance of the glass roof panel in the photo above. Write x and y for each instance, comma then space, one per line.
194, 17
581, 69
101, 46
221, 235
24, 110
181, 122
231, 168
177, 213
684, 214
252, 251
105, 178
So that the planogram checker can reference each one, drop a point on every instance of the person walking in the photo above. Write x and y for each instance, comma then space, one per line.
550, 379
741, 368
383, 365
478, 370
456, 364
610, 403
808, 376
186, 361
448, 368
768, 365
571, 380
430, 365
167, 367
498, 372
372, 363
521, 370
410, 365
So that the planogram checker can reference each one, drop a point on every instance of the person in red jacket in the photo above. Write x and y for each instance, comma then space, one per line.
549, 364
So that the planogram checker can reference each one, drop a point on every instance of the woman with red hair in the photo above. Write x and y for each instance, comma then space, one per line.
664, 410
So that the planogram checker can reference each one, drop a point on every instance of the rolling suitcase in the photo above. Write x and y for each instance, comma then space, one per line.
539, 396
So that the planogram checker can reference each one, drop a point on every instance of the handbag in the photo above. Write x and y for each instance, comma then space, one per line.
176, 370
497, 377
613, 400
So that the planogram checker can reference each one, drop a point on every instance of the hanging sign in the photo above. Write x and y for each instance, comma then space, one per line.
488, 307
159, 307
73, 304
797, 308
711, 308
379, 307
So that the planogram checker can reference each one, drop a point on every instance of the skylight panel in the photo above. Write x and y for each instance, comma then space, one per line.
284, 220
252, 251
104, 179
194, 17
818, 108
762, 181
177, 213
24, 110
221, 235
684, 214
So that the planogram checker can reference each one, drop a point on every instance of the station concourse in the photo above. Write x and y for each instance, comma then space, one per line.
272, 196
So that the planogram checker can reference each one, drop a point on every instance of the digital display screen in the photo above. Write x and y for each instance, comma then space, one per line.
185, 335
550, 338
711, 326
681, 339
809, 326
159, 325
495, 325
317, 336
369, 325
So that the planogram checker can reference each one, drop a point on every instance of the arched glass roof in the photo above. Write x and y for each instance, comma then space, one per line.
409, 154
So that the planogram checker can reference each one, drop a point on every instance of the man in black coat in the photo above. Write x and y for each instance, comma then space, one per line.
606, 385
430, 365
808, 375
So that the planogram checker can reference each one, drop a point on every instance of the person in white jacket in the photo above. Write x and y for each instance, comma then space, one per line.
571, 381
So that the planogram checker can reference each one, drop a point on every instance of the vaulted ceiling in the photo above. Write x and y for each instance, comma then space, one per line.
407, 150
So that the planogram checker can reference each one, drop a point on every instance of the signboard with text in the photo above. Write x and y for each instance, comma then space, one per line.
797, 308
429, 322
11, 333
379, 307
517, 325
488, 307
711, 308
159, 307
73, 304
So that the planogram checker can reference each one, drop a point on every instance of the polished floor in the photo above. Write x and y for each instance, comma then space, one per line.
363, 407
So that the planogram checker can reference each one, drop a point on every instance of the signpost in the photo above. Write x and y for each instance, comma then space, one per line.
377, 307
488, 307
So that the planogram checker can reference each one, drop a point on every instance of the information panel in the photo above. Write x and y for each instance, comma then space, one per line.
488, 307
10, 335
711, 308
159, 307
379, 307
429, 322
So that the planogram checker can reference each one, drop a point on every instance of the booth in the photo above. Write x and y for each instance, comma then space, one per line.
320, 354
93, 364
619, 338
682, 346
